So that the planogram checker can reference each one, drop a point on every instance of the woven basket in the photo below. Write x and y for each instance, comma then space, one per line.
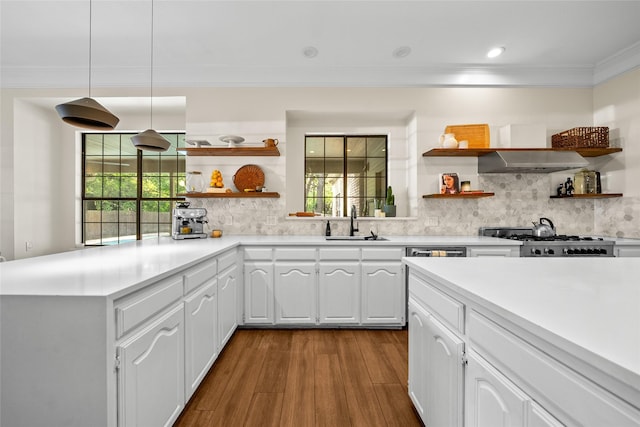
583, 137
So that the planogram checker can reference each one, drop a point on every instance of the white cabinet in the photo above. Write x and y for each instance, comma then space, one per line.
227, 304
258, 286
326, 285
339, 285
418, 336
493, 251
339, 292
508, 381
383, 286
383, 293
151, 383
435, 369
258, 292
201, 334
295, 292
444, 376
491, 399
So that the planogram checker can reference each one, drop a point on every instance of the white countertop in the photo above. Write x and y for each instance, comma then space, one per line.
624, 241
107, 270
578, 304
110, 270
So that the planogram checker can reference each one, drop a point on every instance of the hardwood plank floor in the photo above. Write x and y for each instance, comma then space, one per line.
306, 377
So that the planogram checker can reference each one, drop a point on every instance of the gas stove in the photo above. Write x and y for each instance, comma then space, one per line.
554, 246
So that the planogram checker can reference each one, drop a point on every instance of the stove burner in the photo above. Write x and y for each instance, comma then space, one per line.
557, 238
555, 246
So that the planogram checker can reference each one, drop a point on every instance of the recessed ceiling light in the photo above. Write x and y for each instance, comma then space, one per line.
310, 52
496, 51
401, 52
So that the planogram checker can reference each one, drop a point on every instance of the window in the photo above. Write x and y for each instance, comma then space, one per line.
341, 171
128, 194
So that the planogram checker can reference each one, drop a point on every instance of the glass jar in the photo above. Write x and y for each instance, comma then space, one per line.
195, 183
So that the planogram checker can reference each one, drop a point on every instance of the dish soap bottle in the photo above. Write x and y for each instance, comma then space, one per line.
328, 229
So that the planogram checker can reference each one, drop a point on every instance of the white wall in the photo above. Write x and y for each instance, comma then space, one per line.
43, 203
40, 187
617, 105
258, 113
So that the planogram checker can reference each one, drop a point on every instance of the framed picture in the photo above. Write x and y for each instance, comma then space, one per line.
449, 183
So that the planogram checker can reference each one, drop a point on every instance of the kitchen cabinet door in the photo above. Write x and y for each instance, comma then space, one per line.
383, 293
418, 361
258, 293
539, 417
151, 374
201, 335
295, 292
227, 304
491, 399
445, 385
339, 292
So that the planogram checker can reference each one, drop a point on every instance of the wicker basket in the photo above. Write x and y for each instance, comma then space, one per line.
583, 137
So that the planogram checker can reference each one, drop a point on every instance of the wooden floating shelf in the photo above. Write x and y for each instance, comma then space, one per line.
478, 152
589, 196
458, 196
233, 151
251, 194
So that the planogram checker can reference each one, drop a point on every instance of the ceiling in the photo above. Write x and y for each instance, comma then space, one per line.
45, 44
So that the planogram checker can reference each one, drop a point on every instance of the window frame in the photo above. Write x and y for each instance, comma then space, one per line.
344, 196
139, 200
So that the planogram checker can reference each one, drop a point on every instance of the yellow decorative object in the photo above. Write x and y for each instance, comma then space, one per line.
216, 179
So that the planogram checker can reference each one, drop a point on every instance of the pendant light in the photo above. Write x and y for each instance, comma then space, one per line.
150, 140
87, 112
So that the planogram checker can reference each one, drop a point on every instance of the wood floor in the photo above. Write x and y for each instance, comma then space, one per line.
310, 377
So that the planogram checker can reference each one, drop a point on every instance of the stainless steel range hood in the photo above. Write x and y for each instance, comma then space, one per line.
530, 161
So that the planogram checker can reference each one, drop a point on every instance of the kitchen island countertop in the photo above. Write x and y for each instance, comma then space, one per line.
588, 307
113, 270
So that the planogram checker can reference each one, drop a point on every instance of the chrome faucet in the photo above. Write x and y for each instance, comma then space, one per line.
352, 229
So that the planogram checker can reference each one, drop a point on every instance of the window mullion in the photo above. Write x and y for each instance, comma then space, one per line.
139, 196
345, 199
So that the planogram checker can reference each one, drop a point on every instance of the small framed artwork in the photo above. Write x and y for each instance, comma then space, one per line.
449, 183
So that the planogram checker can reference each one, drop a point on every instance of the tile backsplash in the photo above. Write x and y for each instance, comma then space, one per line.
519, 199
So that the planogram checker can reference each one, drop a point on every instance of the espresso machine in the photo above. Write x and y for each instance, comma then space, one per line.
188, 223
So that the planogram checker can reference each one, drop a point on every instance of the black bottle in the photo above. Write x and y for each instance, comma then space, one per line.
328, 230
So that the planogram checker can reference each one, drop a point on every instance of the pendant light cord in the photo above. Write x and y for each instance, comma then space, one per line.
151, 72
90, 33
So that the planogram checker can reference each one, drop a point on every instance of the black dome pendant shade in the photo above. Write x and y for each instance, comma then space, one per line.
87, 113
150, 140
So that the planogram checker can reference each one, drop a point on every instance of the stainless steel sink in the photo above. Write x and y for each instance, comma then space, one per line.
356, 238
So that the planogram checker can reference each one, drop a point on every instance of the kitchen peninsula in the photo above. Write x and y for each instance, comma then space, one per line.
123, 335
551, 341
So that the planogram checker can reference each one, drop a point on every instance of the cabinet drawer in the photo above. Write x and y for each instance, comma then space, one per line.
133, 310
227, 259
295, 254
340, 254
257, 254
199, 274
442, 305
569, 396
369, 254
